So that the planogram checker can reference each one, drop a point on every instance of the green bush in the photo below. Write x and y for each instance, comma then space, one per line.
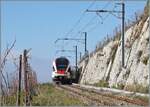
114, 86
119, 86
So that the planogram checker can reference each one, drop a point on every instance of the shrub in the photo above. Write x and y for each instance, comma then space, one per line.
114, 86
120, 86
139, 54
102, 83
145, 59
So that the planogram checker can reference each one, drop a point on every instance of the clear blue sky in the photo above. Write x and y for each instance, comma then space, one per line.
38, 24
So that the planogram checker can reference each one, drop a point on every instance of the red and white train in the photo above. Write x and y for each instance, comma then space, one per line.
61, 70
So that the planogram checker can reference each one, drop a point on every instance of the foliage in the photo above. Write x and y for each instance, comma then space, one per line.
114, 86
145, 59
102, 83
118, 86
137, 88
11, 100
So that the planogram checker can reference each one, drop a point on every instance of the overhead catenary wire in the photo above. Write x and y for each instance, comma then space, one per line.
71, 31
99, 22
107, 4
89, 23
79, 20
91, 20
102, 20
76, 24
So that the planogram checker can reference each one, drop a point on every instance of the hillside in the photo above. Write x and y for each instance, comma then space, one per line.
105, 67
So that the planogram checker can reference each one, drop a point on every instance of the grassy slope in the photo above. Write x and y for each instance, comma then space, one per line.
50, 96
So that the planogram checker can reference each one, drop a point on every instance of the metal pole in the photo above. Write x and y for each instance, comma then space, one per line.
76, 56
123, 21
80, 55
19, 88
1, 86
85, 42
123, 18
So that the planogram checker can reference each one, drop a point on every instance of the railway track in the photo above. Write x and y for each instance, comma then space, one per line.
91, 97
118, 97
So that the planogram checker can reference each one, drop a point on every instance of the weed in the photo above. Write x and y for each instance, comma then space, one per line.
114, 86
143, 98
137, 88
102, 83
50, 96
120, 86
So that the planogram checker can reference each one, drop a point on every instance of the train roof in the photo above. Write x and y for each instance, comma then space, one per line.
61, 57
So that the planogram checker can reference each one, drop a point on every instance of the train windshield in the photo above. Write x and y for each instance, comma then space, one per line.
62, 63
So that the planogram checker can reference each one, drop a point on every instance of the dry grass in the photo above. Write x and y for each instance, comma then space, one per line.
48, 96
142, 98
102, 83
11, 100
137, 88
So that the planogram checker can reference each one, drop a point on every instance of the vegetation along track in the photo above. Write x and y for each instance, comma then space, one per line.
91, 97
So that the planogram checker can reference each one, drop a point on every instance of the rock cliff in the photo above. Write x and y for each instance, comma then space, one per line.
106, 63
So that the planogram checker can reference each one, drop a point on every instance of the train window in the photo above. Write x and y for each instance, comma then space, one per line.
53, 68
62, 63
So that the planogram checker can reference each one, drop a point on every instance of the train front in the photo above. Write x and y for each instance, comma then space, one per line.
61, 70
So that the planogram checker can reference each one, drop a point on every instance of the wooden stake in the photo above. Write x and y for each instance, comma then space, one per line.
19, 87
